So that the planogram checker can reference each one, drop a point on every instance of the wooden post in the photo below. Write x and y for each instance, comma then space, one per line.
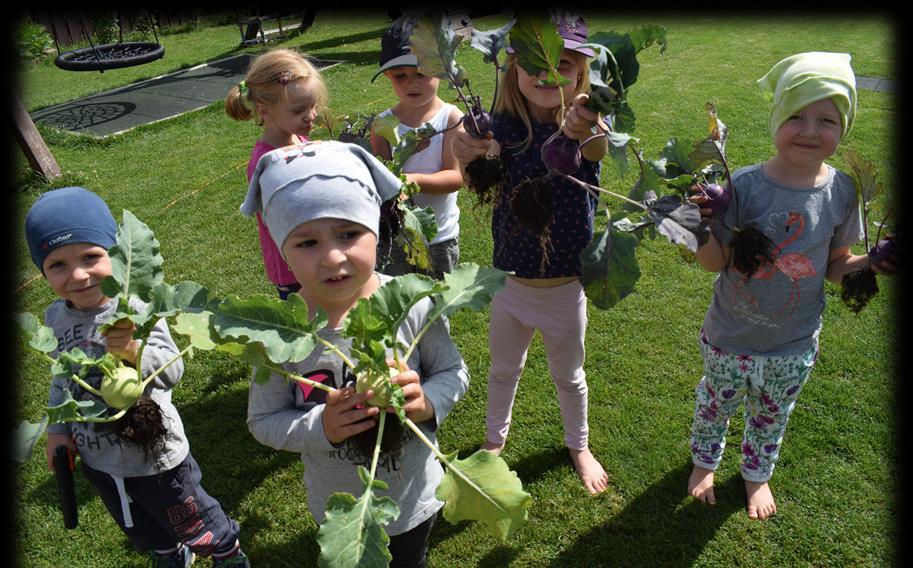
32, 144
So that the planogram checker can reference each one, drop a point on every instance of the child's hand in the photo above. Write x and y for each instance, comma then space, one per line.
346, 414
699, 199
417, 407
55, 440
467, 148
579, 120
120, 341
889, 266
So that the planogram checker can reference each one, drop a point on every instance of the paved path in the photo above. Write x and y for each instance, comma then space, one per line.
156, 99
148, 101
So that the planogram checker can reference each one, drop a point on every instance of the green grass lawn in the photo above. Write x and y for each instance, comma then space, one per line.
185, 178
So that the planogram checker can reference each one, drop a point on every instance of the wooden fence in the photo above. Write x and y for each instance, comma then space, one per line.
69, 28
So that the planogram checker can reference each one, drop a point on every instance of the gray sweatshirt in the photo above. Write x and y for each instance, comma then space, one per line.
98, 447
287, 416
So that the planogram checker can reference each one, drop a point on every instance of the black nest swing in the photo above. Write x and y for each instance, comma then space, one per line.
110, 55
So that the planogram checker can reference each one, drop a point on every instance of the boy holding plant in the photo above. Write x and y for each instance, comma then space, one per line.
434, 168
148, 480
321, 203
759, 340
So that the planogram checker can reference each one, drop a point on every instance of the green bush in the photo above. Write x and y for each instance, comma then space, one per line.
32, 41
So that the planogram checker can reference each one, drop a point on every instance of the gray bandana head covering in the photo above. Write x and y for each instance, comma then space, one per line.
806, 78
322, 179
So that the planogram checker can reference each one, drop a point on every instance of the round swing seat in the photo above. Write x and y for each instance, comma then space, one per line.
110, 56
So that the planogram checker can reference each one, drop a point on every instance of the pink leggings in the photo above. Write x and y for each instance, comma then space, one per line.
559, 314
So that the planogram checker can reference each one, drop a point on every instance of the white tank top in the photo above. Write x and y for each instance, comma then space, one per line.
428, 161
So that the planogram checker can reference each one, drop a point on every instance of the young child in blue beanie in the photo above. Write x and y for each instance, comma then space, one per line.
154, 494
321, 204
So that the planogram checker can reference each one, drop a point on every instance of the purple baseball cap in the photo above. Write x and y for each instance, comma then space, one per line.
572, 29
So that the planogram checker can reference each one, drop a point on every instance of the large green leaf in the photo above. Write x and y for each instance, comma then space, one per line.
417, 230
538, 46
468, 286
678, 220
491, 42
136, 265
609, 268
482, 488
864, 174
352, 534
434, 43
37, 336
25, 437
379, 317
281, 326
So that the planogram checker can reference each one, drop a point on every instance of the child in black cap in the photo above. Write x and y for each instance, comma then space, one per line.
157, 499
434, 168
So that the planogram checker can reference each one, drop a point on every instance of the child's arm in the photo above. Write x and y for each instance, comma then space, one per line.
446, 377
274, 419
449, 178
578, 124
159, 350
54, 441
841, 261
713, 256
467, 148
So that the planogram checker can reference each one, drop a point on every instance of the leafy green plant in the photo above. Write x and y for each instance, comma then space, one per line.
434, 42
137, 273
32, 41
267, 332
859, 286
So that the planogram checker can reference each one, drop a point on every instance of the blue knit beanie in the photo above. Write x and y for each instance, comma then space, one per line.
65, 216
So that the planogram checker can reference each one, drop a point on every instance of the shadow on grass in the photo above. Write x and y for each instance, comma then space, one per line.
309, 46
656, 529
298, 549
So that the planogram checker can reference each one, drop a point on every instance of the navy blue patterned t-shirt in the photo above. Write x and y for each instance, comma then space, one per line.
516, 247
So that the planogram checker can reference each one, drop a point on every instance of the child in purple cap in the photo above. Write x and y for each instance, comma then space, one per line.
550, 300
154, 494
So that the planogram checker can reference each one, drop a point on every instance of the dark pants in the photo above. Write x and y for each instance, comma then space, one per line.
168, 508
409, 549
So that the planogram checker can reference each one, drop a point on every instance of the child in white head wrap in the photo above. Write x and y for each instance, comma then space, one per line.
760, 335
806, 78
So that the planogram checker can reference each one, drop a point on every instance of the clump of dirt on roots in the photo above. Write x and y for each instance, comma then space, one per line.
859, 286
143, 426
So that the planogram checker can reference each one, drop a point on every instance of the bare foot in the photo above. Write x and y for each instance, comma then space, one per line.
700, 485
493, 448
760, 500
591, 472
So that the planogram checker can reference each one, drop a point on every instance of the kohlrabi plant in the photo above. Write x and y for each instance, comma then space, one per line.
353, 130
434, 42
136, 266
404, 224
859, 286
267, 332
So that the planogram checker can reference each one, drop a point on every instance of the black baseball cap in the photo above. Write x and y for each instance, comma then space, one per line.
394, 45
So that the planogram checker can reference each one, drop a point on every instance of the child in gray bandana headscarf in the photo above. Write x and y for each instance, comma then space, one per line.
321, 204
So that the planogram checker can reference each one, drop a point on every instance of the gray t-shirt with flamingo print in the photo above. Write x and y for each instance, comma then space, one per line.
778, 311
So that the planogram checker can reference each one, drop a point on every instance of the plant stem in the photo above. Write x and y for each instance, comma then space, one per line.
348, 362
158, 371
298, 378
589, 187
443, 459
86, 386
380, 434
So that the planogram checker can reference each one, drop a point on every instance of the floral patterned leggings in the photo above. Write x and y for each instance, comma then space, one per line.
768, 386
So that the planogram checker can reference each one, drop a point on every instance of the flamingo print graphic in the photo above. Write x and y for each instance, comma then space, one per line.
793, 265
